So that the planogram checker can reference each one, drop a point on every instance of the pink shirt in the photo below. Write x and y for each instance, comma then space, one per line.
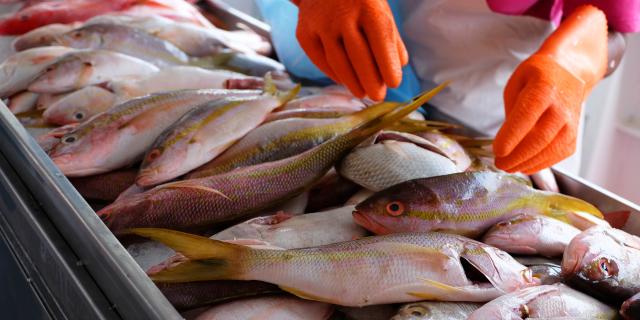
622, 15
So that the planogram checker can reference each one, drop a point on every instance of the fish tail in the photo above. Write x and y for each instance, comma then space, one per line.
371, 112
208, 259
574, 211
376, 124
283, 96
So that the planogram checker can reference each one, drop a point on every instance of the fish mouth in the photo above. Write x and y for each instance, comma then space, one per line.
368, 223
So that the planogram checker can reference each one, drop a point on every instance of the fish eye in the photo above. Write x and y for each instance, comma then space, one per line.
69, 139
88, 64
154, 154
418, 311
48, 69
79, 115
395, 208
607, 267
77, 34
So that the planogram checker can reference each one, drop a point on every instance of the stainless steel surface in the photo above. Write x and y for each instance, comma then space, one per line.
125, 285
236, 19
45, 275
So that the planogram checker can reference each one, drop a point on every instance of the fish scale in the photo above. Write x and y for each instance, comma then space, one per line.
204, 202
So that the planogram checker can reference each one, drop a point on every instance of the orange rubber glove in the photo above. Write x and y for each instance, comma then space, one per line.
544, 96
354, 42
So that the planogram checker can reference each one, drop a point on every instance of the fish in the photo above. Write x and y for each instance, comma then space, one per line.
604, 262
189, 295
331, 191
203, 133
312, 113
247, 63
42, 36
381, 165
546, 302
301, 231
49, 12
545, 180
323, 100
202, 203
407, 267
79, 106
20, 69
452, 149
436, 310
121, 135
284, 138
174, 78
359, 197
50, 139
269, 308
532, 235
22, 102
467, 203
127, 40
106, 186
194, 40
82, 68
631, 308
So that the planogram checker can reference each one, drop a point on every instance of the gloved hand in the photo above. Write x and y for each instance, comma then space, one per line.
544, 96
354, 42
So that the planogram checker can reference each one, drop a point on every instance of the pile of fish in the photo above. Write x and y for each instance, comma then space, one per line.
244, 195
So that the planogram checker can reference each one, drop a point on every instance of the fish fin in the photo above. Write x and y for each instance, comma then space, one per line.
424, 296
217, 61
191, 246
198, 270
370, 127
371, 112
191, 185
283, 96
305, 295
441, 286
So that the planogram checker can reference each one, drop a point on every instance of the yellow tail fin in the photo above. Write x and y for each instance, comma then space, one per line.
209, 259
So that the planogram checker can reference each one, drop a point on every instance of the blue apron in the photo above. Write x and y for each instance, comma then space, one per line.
282, 15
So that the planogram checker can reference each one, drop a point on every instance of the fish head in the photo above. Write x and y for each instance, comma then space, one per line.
66, 74
86, 37
83, 151
605, 262
122, 214
65, 113
159, 166
514, 233
395, 209
79, 106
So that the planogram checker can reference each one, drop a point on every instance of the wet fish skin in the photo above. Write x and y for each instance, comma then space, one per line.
79, 106
20, 69
106, 186
604, 262
388, 163
126, 40
533, 235
436, 310
82, 68
466, 203
189, 295
201, 203
284, 138
323, 100
408, 267
269, 308
22, 102
120, 136
451, 147
40, 37
546, 301
301, 231
631, 308
201, 135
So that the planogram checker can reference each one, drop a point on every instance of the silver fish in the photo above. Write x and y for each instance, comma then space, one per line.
76, 70
436, 310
